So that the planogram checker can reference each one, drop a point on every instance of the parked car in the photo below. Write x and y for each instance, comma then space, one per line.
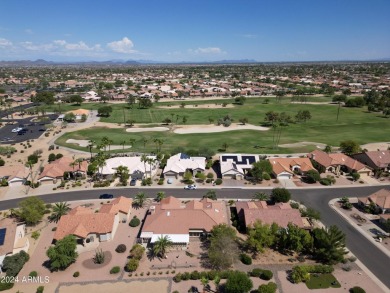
106, 196
190, 187
17, 129
133, 182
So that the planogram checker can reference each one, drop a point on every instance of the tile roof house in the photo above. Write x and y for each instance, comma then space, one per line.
180, 221
178, 164
15, 175
89, 227
12, 238
134, 164
281, 213
375, 159
56, 169
381, 199
284, 168
336, 161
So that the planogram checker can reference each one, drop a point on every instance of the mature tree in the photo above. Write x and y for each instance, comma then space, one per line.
59, 209
240, 100
350, 147
44, 97
69, 117
77, 99
145, 103
261, 236
161, 245
259, 168
238, 282
211, 194
295, 239
160, 196
63, 253
312, 176
123, 173
12, 264
223, 250
140, 199
355, 176
244, 120
328, 149
303, 115
329, 245
280, 194
339, 99
310, 213
104, 111
271, 117
31, 210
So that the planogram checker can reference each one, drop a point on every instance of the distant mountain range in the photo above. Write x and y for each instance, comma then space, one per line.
42, 62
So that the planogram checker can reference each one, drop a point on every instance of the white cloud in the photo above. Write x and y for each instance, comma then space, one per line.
5, 43
124, 46
249, 36
208, 50
29, 31
36, 47
80, 46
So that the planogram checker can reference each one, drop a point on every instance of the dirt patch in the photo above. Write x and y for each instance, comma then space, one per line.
90, 264
376, 146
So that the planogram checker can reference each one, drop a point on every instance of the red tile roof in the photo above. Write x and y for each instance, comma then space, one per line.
280, 165
58, 167
120, 204
381, 198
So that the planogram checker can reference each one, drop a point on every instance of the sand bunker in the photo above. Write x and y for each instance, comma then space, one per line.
302, 144
84, 143
147, 129
214, 128
201, 106
376, 146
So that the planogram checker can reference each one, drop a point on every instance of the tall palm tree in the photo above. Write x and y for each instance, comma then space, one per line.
140, 199
123, 142
132, 142
144, 159
104, 143
160, 196
260, 196
91, 144
150, 161
101, 162
162, 244
109, 142
59, 209
145, 141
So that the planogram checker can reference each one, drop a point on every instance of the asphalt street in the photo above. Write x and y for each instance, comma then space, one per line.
373, 258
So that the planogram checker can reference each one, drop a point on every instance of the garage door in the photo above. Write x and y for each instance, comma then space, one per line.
15, 183
284, 176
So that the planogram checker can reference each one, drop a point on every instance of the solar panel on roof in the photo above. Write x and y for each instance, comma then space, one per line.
2, 235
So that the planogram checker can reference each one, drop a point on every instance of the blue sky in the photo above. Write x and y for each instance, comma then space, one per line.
195, 30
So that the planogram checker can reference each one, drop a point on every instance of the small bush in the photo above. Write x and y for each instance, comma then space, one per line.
134, 222
357, 289
352, 259
35, 235
268, 288
218, 181
210, 175
115, 270
40, 289
256, 272
347, 268
266, 275
5, 285
266, 176
177, 278
245, 259
132, 265
76, 274
33, 274
195, 275
121, 248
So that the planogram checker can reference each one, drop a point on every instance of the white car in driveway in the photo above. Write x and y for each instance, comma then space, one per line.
190, 187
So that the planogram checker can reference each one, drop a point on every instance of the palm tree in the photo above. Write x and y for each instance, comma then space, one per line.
261, 196
145, 141
132, 142
123, 142
144, 159
100, 162
160, 196
104, 143
59, 210
162, 244
140, 199
150, 161
91, 144
109, 142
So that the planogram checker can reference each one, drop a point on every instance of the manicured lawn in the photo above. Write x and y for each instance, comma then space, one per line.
353, 123
322, 281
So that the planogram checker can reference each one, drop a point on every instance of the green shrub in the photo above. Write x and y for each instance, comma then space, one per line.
185, 276
40, 289
245, 259
325, 181
33, 274
357, 289
137, 251
195, 275
268, 288
218, 181
76, 274
115, 270
177, 278
35, 235
256, 272
14, 263
266, 275
134, 222
210, 175
5, 286
132, 265
121, 248
266, 176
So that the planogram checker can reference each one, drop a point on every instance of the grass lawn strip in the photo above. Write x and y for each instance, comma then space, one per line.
322, 281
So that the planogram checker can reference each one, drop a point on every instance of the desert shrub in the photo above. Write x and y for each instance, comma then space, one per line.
208, 180
76, 274
347, 268
115, 270
134, 222
195, 275
357, 289
121, 248
99, 257
352, 259
14, 263
210, 175
6, 285
40, 289
132, 265
245, 259
218, 181
185, 276
256, 272
266, 275
33, 274
325, 181
266, 176
35, 235
137, 251
177, 278
268, 288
